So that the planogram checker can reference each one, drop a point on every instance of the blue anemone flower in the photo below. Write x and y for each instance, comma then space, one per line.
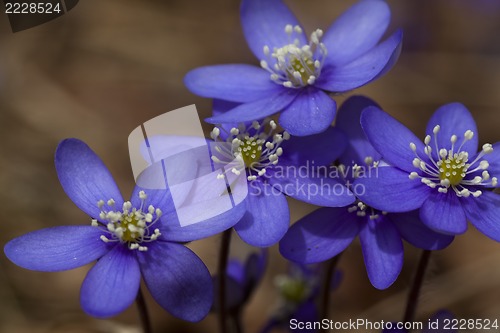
296, 75
276, 164
298, 291
242, 280
326, 232
445, 176
129, 239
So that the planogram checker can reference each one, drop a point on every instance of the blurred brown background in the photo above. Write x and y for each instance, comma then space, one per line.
107, 66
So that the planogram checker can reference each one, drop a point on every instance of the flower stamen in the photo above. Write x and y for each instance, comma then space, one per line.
452, 169
295, 65
250, 148
130, 225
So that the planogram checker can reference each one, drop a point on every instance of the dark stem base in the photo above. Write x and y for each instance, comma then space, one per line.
411, 304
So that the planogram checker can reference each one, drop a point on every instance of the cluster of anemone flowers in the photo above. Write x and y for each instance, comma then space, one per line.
367, 173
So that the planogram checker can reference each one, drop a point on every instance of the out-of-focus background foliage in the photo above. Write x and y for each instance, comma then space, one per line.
107, 66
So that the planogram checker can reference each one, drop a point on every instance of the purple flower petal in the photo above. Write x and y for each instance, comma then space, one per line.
267, 217
235, 82
84, 177
177, 279
56, 249
356, 31
305, 186
364, 69
382, 251
319, 149
311, 112
256, 110
454, 119
443, 213
493, 159
391, 138
255, 268
442, 317
219, 107
484, 213
112, 284
306, 312
348, 120
416, 233
320, 235
173, 231
264, 22
236, 270
389, 189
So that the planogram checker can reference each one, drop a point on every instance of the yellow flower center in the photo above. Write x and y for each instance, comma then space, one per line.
453, 169
251, 150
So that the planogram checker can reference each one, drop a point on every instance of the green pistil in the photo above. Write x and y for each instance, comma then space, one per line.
294, 290
304, 72
251, 150
453, 169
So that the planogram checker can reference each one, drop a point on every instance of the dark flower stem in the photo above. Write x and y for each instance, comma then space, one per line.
329, 269
143, 312
411, 304
235, 317
221, 272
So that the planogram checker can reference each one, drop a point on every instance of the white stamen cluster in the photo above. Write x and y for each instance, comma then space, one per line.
294, 65
452, 166
361, 210
130, 225
251, 147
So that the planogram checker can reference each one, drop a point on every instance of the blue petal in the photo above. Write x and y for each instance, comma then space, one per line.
348, 120
319, 149
382, 251
493, 159
234, 82
256, 110
177, 279
267, 217
56, 249
311, 112
312, 188
364, 69
442, 317
255, 268
320, 235
356, 31
306, 312
219, 107
443, 213
236, 270
484, 213
390, 138
173, 231
112, 284
391, 190
416, 233
84, 177
264, 22
161, 199
454, 119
